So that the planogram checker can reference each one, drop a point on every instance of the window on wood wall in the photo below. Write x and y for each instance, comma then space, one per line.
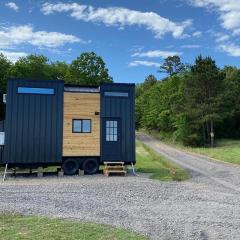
81, 125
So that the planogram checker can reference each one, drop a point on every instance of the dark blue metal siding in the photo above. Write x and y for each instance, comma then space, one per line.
34, 123
123, 108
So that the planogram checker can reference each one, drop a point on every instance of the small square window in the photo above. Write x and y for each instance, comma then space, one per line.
81, 126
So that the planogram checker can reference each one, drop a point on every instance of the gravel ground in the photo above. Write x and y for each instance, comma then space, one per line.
205, 207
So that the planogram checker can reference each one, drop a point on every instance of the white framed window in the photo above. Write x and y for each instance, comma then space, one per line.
111, 131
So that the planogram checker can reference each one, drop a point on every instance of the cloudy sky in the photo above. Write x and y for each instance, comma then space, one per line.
133, 36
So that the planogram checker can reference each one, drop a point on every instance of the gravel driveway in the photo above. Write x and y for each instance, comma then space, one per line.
205, 207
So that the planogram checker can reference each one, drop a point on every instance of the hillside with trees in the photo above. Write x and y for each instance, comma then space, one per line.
194, 105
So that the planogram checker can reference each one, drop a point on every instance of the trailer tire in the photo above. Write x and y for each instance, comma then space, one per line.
70, 166
90, 166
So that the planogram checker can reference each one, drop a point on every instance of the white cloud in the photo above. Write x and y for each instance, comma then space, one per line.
12, 6
13, 56
143, 63
228, 10
120, 17
15, 35
222, 38
197, 34
231, 49
191, 46
156, 54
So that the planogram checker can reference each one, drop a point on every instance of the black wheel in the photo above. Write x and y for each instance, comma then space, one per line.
70, 166
90, 166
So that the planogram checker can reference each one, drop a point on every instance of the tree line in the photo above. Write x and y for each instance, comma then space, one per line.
194, 104
87, 69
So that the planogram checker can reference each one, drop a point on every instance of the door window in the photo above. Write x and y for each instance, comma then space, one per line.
111, 131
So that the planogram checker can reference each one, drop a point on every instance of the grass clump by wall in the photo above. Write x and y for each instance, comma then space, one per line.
148, 161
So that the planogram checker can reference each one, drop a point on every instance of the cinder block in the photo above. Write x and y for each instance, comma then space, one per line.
81, 172
60, 174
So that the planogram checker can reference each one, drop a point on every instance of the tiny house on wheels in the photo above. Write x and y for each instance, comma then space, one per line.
75, 127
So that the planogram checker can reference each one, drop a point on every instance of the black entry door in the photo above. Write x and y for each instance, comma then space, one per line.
111, 139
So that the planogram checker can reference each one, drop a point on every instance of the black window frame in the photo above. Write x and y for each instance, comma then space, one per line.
81, 131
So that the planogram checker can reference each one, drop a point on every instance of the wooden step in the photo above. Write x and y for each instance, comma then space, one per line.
116, 171
114, 167
106, 173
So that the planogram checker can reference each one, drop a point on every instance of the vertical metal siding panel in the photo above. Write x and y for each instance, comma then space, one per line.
13, 127
34, 131
133, 126
47, 130
123, 108
25, 129
60, 96
42, 127
54, 129
20, 128
30, 135
121, 111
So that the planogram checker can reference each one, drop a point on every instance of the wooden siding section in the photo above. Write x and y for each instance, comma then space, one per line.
81, 106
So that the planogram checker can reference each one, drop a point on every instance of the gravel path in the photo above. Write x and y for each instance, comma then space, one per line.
205, 207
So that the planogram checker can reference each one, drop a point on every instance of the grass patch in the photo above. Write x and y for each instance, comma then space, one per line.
227, 150
18, 227
148, 161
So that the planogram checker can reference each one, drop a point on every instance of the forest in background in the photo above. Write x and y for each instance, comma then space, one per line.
193, 105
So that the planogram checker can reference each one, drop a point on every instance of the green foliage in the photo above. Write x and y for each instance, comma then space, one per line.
5, 66
172, 65
32, 66
89, 69
188, 106
18, 227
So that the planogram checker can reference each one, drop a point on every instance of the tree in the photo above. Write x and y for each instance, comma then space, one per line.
89, 69
5, 66
32, 66
230, 127
150, 81
59, 70
203, 97
172, 65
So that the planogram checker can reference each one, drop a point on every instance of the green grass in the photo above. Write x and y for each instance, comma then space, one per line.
226, 150
18, 227
160, 168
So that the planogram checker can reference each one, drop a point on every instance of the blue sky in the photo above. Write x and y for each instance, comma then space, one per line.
133, 37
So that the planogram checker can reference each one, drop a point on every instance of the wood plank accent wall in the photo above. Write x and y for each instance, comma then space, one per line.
81, 106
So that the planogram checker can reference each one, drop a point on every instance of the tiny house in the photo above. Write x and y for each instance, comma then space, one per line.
75, 127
